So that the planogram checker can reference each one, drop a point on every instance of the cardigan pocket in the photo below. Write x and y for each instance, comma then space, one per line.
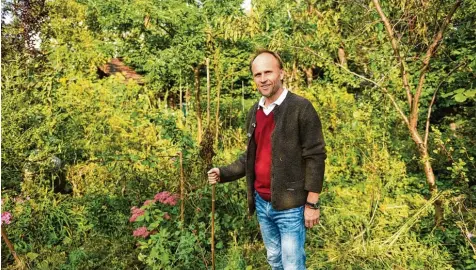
296, 185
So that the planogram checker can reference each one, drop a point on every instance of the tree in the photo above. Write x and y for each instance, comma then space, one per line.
413, 92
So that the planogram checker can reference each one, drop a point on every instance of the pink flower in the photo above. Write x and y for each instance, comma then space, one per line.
148, 202
166, 197
161, 196
141, 232
172, 200
6, 217
166, 216
136, 212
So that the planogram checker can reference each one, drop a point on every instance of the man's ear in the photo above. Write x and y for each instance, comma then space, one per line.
281, 74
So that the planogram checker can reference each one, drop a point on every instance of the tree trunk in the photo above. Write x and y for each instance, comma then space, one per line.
413, 100
198, 108
430, 176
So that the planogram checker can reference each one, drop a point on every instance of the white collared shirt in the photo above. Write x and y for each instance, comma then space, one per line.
269, 109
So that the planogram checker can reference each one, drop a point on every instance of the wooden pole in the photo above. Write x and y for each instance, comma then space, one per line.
187, 101
198, 108
207, 61
182, 190
213, 226
242, 97
180, 88
213, 187
12, 249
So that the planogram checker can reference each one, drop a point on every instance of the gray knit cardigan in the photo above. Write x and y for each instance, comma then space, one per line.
297, 158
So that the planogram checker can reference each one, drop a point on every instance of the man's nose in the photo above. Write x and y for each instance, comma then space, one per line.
263, 78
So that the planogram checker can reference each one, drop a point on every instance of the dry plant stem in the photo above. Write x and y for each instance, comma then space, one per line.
213, 226
396, 50
182, 195
207, 61
12, 249
217, 111
426, 62
198, 109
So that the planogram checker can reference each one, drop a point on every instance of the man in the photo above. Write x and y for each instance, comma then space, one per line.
283, 164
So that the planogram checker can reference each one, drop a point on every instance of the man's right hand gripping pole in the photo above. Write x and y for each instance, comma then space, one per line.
213, 176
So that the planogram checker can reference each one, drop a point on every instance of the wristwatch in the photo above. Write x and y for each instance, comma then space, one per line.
314, 206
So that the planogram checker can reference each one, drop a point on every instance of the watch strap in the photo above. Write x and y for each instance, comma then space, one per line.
315, 206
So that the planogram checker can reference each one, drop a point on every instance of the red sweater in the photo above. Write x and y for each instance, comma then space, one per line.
264, 128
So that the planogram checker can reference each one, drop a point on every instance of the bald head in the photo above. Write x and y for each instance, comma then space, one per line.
261, 52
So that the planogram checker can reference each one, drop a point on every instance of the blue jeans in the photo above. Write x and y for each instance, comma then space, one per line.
283, 234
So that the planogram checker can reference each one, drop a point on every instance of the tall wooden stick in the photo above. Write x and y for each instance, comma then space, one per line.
242, 97
213, 226
180, 95
207, 62
182, 188
12, 249
213, 187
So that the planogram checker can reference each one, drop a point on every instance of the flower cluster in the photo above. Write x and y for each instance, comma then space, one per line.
141, 232
166, 197
148, 202
136, 212
6, 217
154, 211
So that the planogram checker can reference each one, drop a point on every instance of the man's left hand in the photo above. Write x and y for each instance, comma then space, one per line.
311, 216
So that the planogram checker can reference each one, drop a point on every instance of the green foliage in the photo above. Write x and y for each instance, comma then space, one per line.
118, 140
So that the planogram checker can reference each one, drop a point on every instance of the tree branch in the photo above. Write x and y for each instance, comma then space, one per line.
395, 104
396, 50
427, 126
426, 63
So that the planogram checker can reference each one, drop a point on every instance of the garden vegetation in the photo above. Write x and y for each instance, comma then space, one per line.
113, 111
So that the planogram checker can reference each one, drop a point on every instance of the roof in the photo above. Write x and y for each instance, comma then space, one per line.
115, 65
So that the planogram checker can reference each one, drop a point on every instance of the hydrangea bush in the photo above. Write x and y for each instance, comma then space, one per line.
164, 242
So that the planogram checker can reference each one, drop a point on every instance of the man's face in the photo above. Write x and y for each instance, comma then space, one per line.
267, 75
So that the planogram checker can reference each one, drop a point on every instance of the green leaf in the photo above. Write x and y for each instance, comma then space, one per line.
32, 255
470, 93
380, 27
460, 97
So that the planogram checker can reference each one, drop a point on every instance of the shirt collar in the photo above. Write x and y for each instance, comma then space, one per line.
277, 101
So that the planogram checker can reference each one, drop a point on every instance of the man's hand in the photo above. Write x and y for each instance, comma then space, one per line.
213, 176
311, 216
